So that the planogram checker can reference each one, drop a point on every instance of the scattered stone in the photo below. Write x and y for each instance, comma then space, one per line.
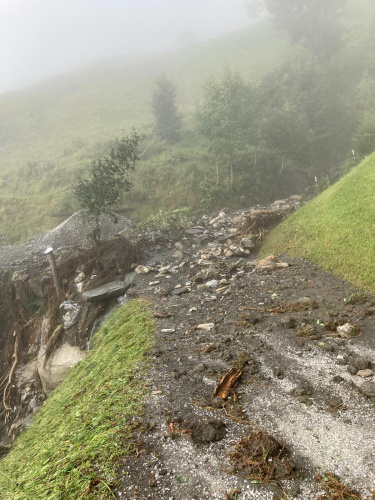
247, 244
205, 326
193, 231
365, 373
270, 263
178, 255
362, 363
346, 331
212, 284
180, 291
335, 401
368, 389
142, 270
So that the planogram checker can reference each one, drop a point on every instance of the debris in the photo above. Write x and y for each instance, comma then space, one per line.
334, 488
227, 383
260, 457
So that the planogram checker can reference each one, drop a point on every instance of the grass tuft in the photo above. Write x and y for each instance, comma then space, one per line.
73, 449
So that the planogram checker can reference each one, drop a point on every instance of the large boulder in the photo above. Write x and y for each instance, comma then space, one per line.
53, 370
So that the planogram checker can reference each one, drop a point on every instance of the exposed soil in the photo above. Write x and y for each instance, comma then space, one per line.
262, 374
290, 407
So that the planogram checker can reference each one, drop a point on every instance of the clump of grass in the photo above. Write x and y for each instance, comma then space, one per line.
73, 448
335, 229
334, 489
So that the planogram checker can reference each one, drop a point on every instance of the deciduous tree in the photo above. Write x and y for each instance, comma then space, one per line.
108, 178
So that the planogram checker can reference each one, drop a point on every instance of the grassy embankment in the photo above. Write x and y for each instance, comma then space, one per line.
336, 229
73, 449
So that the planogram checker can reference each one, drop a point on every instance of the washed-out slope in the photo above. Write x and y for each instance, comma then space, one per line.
72, 449
336, 229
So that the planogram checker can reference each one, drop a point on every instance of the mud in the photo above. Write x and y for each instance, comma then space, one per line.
299, 385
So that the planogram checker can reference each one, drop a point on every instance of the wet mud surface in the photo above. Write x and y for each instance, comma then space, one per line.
303, 404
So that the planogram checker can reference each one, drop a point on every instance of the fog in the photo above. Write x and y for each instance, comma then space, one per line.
42, 38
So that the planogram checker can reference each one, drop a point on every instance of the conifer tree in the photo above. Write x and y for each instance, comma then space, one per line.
167, 118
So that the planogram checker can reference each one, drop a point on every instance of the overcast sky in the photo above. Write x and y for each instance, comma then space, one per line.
42, 38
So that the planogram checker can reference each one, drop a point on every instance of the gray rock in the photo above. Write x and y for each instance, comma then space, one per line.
180, 291
28, 421
247, 244
72, 312
38, 288
114, 289
368, 389
193, 231
52, 371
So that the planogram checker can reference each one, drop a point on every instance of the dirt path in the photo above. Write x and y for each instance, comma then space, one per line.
299, 381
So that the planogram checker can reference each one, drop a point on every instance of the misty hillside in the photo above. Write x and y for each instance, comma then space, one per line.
306, 117
52, 128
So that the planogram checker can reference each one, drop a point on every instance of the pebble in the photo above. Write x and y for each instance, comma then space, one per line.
365, 373
368, 389
205, 326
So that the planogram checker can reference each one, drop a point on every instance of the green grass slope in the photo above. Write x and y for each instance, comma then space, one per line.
72, 450
336, 229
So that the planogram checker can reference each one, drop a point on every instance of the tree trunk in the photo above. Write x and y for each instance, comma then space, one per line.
217, 172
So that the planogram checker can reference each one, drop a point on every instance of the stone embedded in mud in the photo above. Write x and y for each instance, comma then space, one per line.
208, 431
362, 363
247, 243
346, 330
365, 373
193, 231
180, 291
205, 326
368, 389
178, 255
270, 263
142, 270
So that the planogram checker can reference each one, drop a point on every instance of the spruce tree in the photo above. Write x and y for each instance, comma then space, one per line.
167, 118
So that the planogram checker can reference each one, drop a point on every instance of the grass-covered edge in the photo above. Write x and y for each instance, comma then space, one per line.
335, 230
72, 451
